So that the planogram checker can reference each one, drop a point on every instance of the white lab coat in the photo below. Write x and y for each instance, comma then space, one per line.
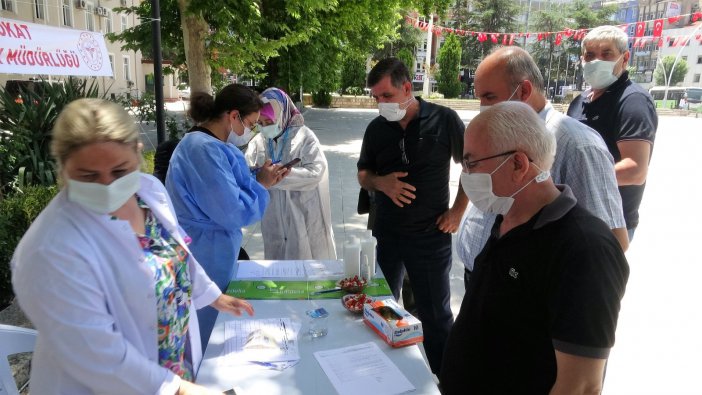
297, 222
82, 280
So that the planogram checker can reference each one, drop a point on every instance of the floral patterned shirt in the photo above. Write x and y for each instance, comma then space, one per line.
168, 261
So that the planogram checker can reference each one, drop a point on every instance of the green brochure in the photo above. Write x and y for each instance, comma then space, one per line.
299, 290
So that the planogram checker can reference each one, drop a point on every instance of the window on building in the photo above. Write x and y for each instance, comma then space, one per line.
112, 63
66, 13
7, 5
39, 8
108, 22
123, 20
684, 58
89, 17
696, 78
126, 69
699, 59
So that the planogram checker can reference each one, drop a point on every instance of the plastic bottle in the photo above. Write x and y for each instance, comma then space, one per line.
368, 261
352, 257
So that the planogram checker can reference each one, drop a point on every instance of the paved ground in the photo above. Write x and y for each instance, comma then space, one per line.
658, 338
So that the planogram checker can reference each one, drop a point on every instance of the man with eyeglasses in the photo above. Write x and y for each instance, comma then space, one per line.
405, 158
582, 160
541, 309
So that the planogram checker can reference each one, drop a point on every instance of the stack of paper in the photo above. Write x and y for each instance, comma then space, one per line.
271, 342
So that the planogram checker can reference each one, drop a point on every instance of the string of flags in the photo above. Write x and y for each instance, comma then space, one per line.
640, 40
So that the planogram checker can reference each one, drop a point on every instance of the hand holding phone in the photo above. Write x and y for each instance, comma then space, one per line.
292, 163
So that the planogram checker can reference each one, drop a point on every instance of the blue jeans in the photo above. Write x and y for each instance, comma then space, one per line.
427, 260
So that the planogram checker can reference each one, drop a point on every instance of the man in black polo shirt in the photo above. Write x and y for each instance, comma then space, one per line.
405, 158
621, 111
541, 308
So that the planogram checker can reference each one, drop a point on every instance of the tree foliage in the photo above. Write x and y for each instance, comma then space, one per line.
449, 60
553, 58
291, 43
482, 16
663, 69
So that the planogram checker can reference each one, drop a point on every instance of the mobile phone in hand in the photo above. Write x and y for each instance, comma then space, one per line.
291, 163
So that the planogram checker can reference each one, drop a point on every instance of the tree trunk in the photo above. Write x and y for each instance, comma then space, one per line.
195, 32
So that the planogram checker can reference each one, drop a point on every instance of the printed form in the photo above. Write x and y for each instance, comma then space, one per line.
270, 342
362, 368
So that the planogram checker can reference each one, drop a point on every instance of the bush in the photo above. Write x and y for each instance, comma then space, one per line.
321, 98
29, 115
16, 214
354, 90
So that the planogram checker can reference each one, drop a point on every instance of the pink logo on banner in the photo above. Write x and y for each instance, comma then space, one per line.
89, 50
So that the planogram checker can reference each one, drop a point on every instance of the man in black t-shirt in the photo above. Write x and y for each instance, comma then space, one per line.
405, 158
541, 308
621, 111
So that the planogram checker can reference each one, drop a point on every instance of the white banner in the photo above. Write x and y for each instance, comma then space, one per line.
30, 48
673, 10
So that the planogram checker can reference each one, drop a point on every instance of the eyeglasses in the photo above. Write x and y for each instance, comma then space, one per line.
405, 160
253, 127
467, 165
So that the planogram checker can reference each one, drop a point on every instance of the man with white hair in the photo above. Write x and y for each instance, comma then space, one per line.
541, 308
582, 160
621, 111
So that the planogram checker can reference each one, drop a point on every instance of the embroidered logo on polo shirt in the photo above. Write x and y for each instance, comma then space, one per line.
596, 117
513, 273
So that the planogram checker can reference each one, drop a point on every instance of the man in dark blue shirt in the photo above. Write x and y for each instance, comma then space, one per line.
621, 111
405, 158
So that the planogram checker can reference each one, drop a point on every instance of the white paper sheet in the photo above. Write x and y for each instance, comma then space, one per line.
324, 269
265, 341
362, 369
270, 269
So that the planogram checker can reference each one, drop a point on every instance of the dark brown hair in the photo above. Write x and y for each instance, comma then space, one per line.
204, 107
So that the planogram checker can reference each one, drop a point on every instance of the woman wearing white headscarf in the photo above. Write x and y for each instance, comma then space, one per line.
297, 222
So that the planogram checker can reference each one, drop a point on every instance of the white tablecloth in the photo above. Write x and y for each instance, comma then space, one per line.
307, 377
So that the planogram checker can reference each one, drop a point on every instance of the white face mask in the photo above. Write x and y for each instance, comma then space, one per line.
485, 107
600, 73
478, 188
104, 199
392, 111
271, 131
242, 140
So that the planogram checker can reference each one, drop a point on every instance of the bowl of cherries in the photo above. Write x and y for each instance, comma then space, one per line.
353, 284
354, 302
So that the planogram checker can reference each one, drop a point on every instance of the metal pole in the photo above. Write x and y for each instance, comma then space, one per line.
158, 71
427, 83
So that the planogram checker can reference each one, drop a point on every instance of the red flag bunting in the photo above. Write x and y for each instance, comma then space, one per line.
559, 38
697, 15
482, 37
504, 39
494, 37
660, 42
673, 19
657, 27
511, 39
640, 29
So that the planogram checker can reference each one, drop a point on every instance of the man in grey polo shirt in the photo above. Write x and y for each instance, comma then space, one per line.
582, 159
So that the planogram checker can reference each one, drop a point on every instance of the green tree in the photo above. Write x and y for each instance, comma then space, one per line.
353, 74
553, 59
662, 75
482, 16
449, 60
406, 56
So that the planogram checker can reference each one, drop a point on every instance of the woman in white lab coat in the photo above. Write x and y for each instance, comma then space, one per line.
104, 273
297, 222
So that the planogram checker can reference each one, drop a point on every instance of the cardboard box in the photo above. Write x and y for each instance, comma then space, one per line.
393, 323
